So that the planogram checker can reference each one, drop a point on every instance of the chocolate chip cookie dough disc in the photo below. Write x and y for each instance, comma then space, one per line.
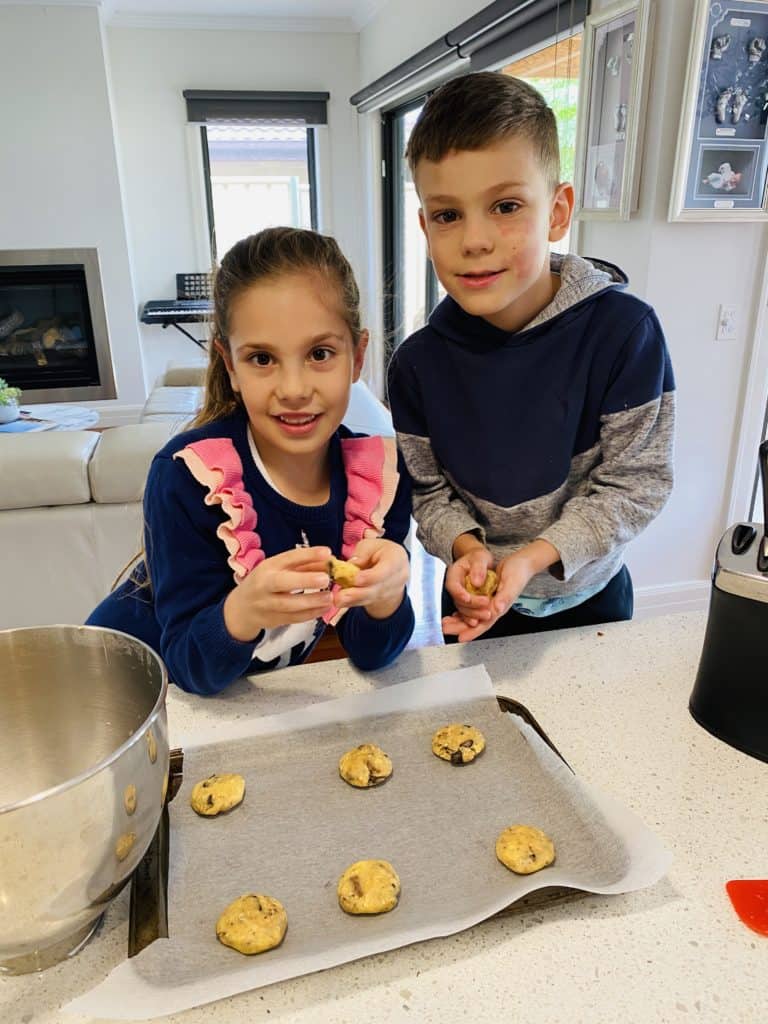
525, 849
342, 573
369, 887
252, 923
217, 794
488, 587
458, 744
365, 766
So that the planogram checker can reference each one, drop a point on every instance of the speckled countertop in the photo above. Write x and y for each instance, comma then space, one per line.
615, 702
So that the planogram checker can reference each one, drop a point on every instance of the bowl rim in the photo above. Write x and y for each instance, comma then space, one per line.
159, 705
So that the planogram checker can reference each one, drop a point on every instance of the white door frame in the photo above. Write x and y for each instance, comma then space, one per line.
753, 413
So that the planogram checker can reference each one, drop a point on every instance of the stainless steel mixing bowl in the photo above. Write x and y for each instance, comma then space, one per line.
83, 774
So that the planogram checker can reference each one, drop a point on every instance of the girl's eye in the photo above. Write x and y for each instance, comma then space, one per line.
507, 206
261, 358
321, 355
445, 216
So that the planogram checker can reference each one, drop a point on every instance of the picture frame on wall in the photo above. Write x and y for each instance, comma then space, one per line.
722, 152
611, 110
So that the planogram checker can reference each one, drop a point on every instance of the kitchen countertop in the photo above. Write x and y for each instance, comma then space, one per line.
614, 700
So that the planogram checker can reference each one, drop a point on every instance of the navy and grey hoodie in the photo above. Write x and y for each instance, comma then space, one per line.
562, 430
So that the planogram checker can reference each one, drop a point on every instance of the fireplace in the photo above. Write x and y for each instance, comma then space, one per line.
53, 329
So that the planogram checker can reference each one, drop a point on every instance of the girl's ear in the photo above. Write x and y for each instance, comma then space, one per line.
359, 357
226, 358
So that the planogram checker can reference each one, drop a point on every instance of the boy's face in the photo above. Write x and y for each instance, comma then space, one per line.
489, 216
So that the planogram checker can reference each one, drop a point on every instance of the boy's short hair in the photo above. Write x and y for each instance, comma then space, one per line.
479, 109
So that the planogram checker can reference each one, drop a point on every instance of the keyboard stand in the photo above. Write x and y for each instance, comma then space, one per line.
200, 344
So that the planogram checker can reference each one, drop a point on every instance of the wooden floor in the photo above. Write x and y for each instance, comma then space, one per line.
424, 587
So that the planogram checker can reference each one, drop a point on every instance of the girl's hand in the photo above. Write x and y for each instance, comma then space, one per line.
471, 609
271, 593
378, 587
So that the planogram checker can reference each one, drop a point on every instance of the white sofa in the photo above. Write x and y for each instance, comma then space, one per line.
70, 502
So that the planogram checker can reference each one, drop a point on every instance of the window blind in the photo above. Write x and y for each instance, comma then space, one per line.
503, 29
206, 106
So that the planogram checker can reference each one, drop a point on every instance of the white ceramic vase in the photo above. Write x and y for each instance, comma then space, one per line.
9, 413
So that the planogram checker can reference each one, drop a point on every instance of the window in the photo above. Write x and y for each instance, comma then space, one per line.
554, 71
258, 155
411, 290
257, 175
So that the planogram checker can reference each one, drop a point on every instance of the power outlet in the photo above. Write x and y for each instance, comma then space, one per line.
726, 323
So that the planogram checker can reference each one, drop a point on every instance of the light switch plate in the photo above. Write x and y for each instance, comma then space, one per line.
726, 323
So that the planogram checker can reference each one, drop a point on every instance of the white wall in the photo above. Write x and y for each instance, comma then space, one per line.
150, 69
59, 180
684, 270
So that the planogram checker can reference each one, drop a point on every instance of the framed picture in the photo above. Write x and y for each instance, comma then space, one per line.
722, 150
611, 111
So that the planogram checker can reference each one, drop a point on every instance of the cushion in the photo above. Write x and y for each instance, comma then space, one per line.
118, 469
46, 468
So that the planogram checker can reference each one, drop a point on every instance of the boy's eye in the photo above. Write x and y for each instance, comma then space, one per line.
507, 206
321, 354
445, 216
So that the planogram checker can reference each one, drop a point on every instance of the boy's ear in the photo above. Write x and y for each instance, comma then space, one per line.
423, 225
562, 211
359, 358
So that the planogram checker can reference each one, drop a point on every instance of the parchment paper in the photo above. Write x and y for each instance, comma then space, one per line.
300, 826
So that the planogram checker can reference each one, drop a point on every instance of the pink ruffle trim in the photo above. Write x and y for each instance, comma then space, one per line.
215, 464
370, 464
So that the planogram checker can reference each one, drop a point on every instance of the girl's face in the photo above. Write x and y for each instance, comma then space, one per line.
292, 361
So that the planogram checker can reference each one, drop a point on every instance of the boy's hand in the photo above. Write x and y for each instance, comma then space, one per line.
472, 609
379, 585
272, 594
514, 572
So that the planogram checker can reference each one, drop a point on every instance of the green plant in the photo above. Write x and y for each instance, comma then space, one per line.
8, 395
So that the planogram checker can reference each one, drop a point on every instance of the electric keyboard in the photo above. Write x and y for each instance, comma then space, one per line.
176, 311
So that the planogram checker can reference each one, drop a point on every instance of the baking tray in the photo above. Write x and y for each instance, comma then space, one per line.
148, 914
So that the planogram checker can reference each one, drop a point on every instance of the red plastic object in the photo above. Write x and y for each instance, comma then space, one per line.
749, 897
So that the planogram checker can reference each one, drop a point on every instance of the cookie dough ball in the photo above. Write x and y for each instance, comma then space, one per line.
342, 573
489, 585
369, 887
458, 744
124, 845
252, 923
217, 794
365, 766
524, 849
129, 799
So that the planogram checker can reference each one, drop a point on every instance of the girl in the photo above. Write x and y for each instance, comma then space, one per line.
244, 510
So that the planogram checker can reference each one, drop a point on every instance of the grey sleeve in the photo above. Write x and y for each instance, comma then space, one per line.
439, 511
626, 489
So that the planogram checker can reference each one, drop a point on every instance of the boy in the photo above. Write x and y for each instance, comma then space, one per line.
535, 410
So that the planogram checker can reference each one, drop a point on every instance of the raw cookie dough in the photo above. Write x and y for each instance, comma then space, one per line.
342, 573
369, 887
365, 766
124, 845
129, 799
488, 587
458, 744
524, 849
252, 923
217, 794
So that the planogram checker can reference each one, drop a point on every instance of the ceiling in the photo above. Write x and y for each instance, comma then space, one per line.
269, 15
